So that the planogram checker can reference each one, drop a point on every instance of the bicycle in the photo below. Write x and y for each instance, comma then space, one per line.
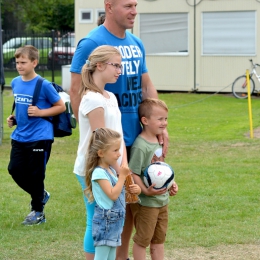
239, 86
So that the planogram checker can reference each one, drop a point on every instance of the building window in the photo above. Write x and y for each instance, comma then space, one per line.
85, 16
99, 12
164, 33
229, 33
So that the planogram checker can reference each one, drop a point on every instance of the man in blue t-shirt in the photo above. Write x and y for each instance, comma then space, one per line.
131, 88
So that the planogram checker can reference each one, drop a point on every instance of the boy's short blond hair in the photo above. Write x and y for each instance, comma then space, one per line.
29, 51
146, 107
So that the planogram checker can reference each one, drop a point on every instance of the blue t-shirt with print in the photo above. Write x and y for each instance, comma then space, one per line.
127, 89
31, 129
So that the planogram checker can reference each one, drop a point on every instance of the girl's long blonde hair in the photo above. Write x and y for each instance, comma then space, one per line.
101, 139
101, 54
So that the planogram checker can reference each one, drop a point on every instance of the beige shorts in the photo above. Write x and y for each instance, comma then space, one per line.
150, 224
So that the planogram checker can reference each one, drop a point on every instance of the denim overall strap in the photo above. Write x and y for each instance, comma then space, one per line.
121, 198
108, 223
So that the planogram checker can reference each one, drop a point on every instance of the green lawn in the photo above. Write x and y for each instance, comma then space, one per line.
215, 166
10, 74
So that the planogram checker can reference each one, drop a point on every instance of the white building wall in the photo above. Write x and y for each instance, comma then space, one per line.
82, 29
216, 72
185, 71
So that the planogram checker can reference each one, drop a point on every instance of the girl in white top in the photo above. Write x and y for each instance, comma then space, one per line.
98, 108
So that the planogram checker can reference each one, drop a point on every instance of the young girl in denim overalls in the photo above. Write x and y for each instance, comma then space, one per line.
107, 189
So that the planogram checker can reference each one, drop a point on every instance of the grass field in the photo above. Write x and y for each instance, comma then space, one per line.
215, 215
9, 75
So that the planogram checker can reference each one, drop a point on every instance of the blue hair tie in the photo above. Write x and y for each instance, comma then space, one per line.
87, 62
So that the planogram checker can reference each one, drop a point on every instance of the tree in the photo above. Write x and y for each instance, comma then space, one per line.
39, 16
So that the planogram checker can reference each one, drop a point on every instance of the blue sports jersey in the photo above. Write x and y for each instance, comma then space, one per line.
31, 129
127, 89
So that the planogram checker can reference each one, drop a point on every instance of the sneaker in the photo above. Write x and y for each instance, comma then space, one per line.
34, 218
46, 196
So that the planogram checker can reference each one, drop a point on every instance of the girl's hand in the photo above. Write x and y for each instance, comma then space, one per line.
124, 171
134, 189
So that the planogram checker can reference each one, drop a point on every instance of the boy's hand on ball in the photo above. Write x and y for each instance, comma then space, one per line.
152, 192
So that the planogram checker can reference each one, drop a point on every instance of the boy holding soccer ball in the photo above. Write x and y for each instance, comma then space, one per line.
151, 213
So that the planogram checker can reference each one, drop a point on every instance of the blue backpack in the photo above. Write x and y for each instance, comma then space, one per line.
64, 122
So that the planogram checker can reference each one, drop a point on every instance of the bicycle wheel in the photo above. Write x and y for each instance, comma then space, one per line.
239, 87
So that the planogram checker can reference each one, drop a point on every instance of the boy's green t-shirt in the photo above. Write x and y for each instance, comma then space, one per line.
142, 154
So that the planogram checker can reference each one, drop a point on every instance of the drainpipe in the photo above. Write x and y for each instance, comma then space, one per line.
194, 24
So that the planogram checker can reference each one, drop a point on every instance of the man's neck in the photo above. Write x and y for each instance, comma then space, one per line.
115, 30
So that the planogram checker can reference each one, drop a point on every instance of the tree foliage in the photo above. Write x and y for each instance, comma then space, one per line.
41, 15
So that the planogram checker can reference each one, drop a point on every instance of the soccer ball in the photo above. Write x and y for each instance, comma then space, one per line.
159, 173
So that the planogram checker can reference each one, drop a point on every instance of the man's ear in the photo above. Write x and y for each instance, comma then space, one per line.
108, 6
144, 120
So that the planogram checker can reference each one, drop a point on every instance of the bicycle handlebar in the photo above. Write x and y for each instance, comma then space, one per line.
256, 64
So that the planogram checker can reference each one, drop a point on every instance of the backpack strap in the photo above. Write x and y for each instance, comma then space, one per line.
37, 91
57, 87
13, 108
36, 95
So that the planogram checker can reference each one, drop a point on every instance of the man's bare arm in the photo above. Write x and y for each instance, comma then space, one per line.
74, 92
148, 89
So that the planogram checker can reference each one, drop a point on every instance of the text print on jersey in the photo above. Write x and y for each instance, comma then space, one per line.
130, 52
23, 99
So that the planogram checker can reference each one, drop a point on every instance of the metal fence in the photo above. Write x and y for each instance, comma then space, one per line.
56, 48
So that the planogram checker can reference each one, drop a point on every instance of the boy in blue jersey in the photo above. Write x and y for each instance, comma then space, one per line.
133, 85
33, 136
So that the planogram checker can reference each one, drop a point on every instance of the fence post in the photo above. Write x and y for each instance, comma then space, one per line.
2, 82
52, 57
